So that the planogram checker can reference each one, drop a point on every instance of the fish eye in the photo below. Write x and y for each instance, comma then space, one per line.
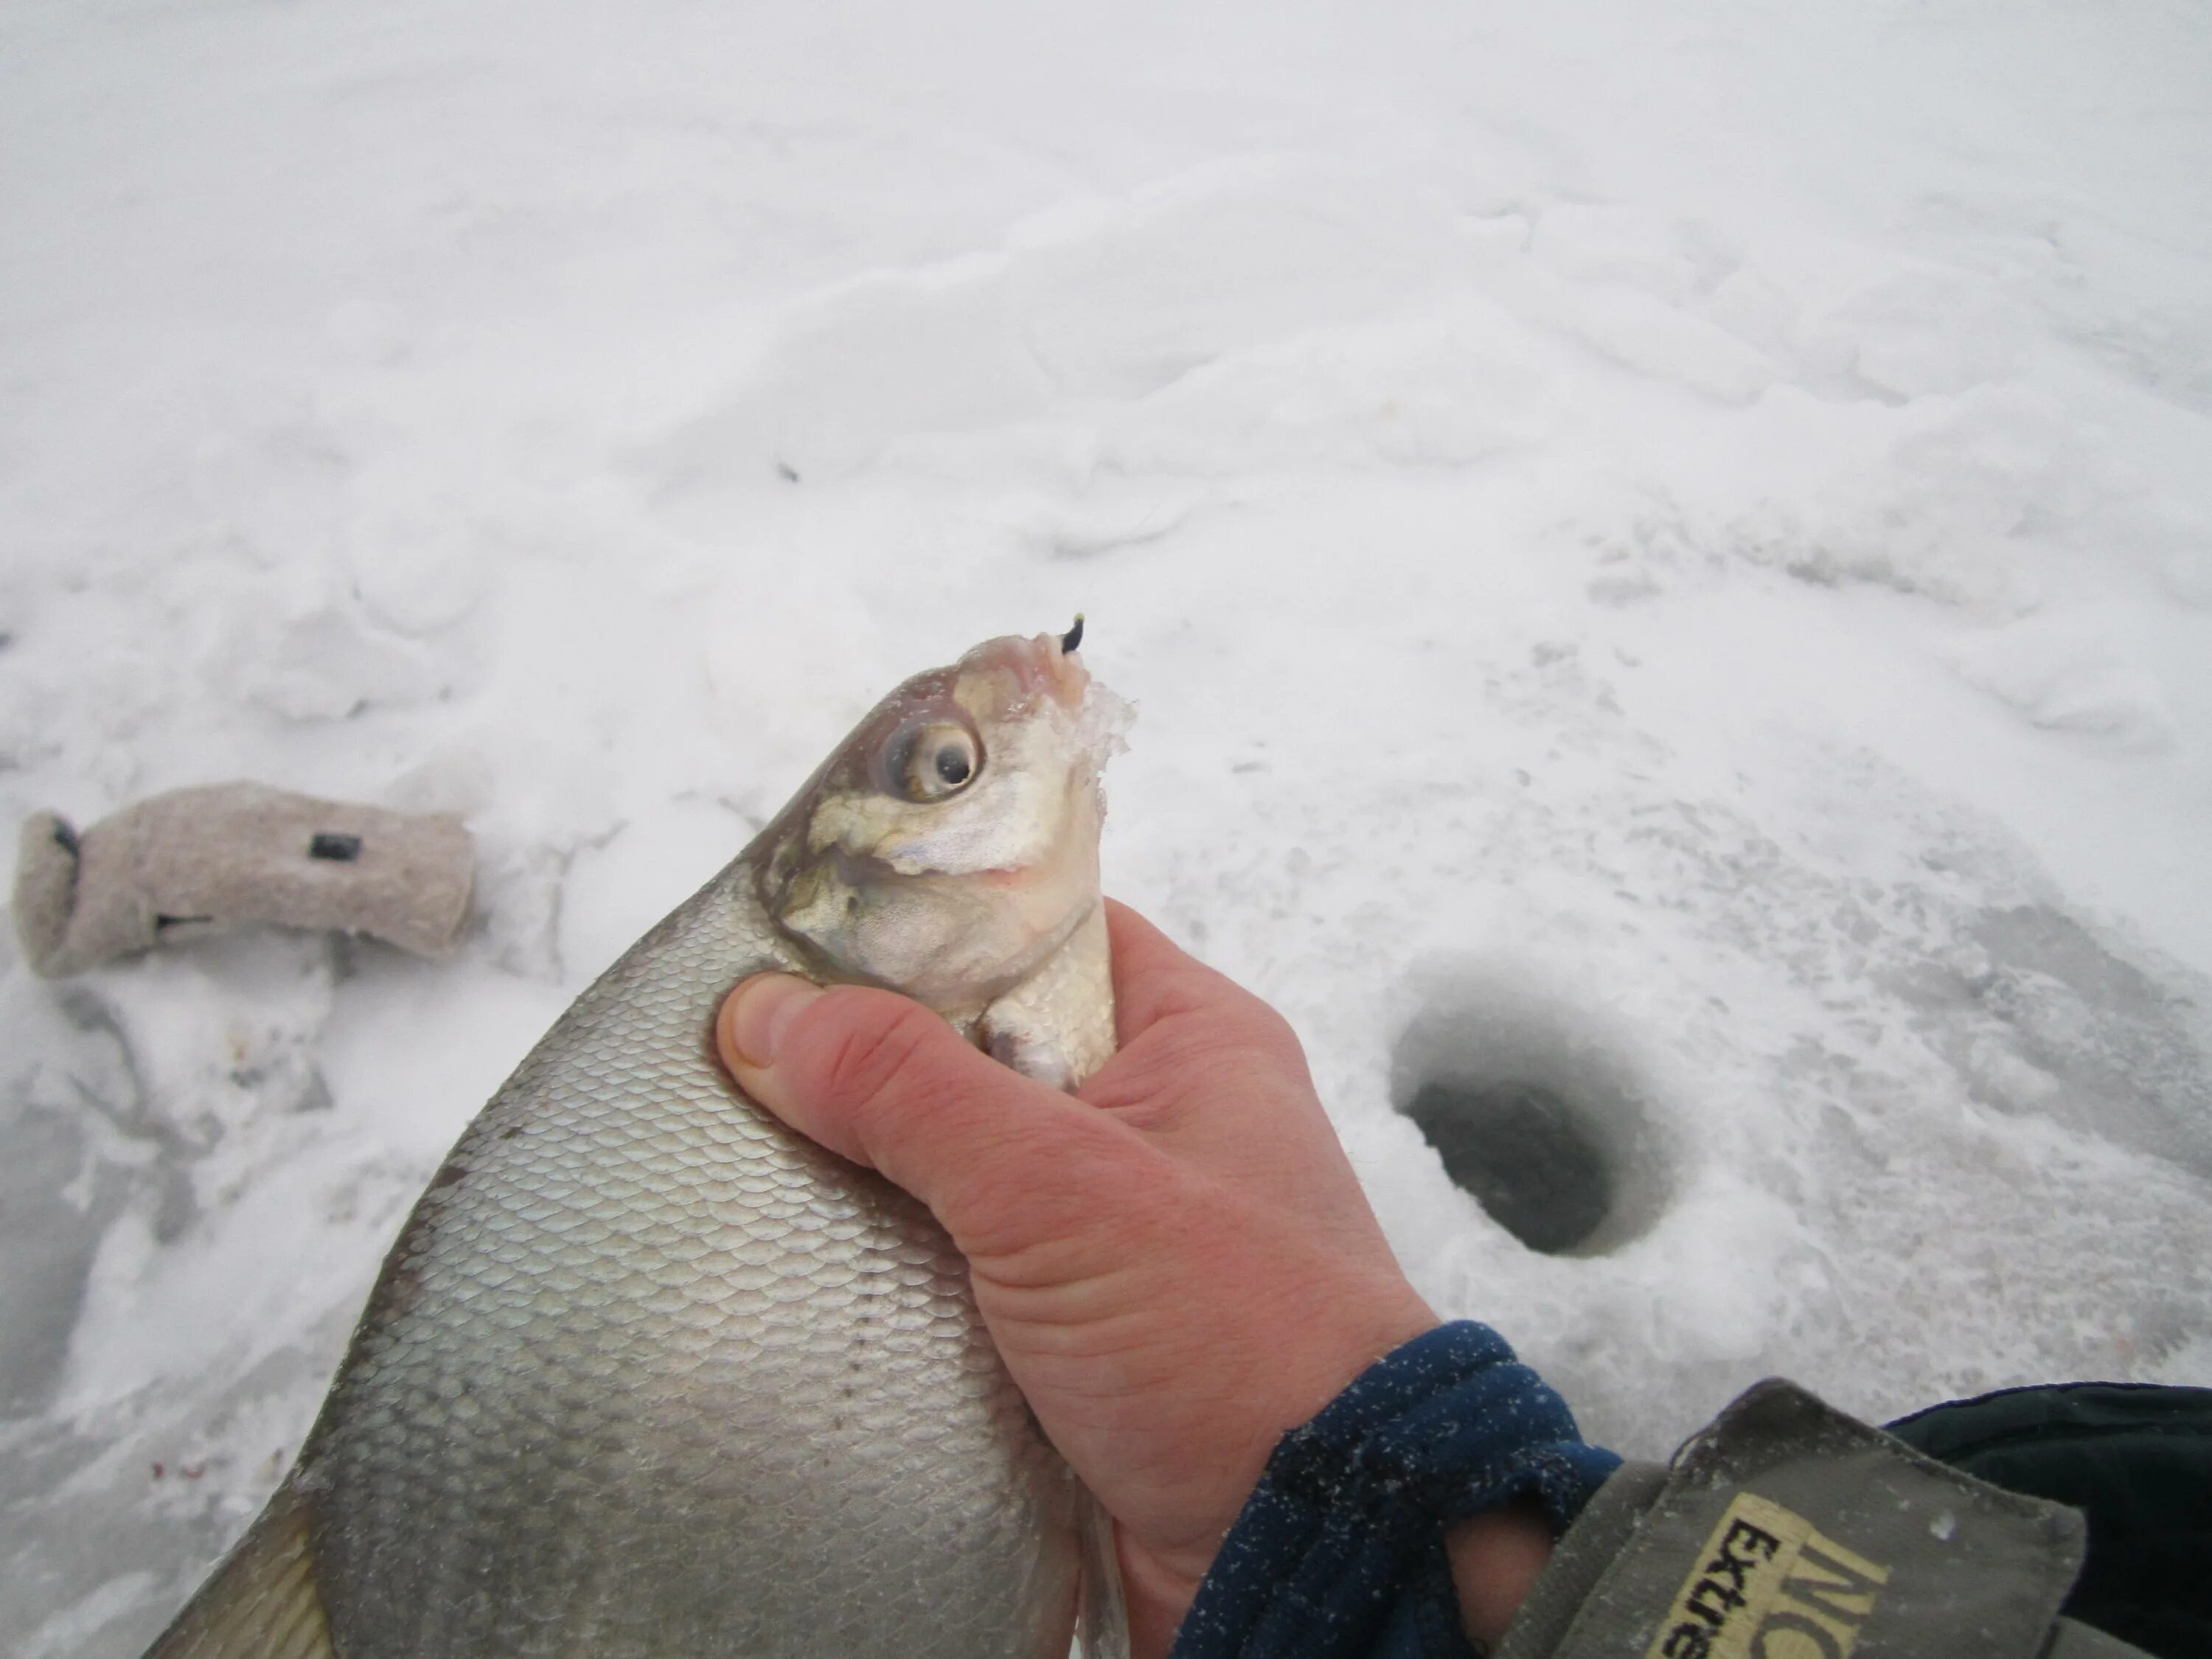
932, 760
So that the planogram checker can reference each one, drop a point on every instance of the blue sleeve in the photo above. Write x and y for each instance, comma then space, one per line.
1339, 1553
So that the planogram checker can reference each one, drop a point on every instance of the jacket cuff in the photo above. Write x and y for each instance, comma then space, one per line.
1343, 1537
1787, 1526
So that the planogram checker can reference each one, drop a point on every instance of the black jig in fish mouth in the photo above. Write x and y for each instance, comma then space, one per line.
1074, 637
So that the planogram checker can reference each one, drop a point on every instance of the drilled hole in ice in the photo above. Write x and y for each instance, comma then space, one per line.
1519, 1151
1537, 1106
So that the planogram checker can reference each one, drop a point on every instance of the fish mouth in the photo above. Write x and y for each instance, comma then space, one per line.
1043, 663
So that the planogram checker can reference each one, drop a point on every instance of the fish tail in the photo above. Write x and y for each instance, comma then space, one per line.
262, 1602
1103, 1621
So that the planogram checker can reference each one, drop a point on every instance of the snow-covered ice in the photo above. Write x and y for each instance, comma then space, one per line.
1665, 551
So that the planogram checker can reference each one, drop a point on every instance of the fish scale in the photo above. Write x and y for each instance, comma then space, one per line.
649, 1375
671, 1273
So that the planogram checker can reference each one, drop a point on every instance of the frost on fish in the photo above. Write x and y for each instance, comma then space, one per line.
646, 1372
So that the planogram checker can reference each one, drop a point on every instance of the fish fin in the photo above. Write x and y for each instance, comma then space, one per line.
1103, 1623
262, 1602
1057, 1025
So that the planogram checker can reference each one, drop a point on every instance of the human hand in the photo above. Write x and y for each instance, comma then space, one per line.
1177, 1264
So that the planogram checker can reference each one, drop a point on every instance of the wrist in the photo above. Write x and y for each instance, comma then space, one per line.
1357, 1519
1495, 1558
1156, 1594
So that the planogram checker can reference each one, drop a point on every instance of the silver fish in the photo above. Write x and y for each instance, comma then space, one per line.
647, 1374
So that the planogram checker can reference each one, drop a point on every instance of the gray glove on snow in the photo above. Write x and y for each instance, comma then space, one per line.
182, 865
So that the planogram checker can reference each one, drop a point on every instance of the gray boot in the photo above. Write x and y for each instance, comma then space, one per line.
185, 864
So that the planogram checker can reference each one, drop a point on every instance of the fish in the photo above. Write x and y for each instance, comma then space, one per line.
648, 1373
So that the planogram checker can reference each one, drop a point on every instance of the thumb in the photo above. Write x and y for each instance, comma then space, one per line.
880, 1079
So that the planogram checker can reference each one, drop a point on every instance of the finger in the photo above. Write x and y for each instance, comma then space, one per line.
1156, 979
1185, 1028
882, 1080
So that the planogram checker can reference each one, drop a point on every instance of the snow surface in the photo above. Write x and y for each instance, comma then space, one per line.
1663, 548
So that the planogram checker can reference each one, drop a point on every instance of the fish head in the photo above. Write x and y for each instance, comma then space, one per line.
950, 845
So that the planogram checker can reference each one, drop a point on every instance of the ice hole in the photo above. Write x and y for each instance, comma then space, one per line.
1535, 1108
1517, 1149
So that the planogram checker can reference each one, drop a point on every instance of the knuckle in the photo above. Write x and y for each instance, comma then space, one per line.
1267, 1029
1202, 1064
1247, 1036
1214, 1003
873, 1049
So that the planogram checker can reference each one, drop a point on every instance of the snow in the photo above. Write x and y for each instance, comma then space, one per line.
1667, 550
